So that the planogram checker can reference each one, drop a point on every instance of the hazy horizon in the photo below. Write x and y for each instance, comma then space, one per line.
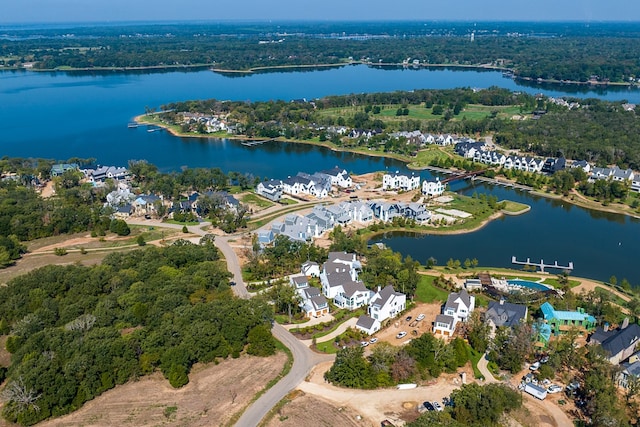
141, 11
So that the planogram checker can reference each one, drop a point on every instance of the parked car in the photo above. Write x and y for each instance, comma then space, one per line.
428, 406
232, 283
534, 366
364, 343
420, 316
373, 340
408, 318
545, 359
401, 334
553, 388
438, 406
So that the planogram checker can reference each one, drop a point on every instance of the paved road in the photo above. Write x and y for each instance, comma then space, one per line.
484, 370
303, 358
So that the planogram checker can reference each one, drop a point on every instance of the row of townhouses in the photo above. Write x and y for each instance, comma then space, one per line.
324, 218
477, 152
404, 182
318, 185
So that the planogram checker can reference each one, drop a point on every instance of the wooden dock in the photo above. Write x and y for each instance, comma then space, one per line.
541, 264
254, 143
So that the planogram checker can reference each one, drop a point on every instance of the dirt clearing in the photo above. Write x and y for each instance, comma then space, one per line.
304, 409
214, 394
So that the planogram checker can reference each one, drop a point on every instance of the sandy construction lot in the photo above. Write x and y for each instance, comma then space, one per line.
214, 394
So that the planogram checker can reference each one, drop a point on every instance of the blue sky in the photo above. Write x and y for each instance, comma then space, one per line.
25, 11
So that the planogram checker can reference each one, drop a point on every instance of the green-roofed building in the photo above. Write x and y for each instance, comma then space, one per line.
564, 321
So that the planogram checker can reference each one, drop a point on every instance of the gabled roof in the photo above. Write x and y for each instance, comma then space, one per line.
505, 314
299, 280
447, 320
311, 292
319, 301
464, 297
621, 339
549, 312
365, 322
351, 288
385, 295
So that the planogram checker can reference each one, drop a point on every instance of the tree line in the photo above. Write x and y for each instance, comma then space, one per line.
609, 53
75, 332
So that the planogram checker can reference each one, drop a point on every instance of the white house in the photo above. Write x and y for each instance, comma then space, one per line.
387, 303
444, 325
271, 190
460, 305
398, 181
339, 177
311, 269
367, 324
312, 302
352, 295
341, 268
458, 308
432, 188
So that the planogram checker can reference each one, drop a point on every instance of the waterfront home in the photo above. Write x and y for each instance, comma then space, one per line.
368, 325
339, 177
635, 183
60, 168
319, 184
564, 321
553, 165
614, 173
432, 188
618, 344
358, 211
473, 284
412, 137
145, 204
504, 314
469, 150
271, 190
387, 303
102, 173
398, 181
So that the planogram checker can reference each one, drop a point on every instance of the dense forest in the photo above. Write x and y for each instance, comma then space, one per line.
601, 132
75, 332
560, 52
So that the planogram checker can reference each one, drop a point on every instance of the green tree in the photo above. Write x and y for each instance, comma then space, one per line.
119, 227
261, 342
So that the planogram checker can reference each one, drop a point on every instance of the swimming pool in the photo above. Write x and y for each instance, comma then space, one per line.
528, 284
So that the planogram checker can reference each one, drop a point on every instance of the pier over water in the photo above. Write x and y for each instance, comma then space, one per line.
542, 265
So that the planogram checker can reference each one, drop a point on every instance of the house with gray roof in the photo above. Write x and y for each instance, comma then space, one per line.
504, 314
271, 190
458, 308
618, 344
352, 295
444, 325
367, 324
312, 302
387, 303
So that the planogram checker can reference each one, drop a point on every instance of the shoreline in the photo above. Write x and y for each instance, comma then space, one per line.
252, 70
576, 201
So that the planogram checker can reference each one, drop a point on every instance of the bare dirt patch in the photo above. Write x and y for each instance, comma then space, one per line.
399, 324
304, 409
214, 394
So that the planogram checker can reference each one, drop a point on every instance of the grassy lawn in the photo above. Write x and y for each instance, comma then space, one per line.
610, 295
170, 221
475, 358
287, 201
327, 347
257, 200
427, 292
556, 283
426, 157
514, 207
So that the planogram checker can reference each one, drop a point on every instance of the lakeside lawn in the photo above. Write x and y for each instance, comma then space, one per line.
514, 207
427, 292
256, 200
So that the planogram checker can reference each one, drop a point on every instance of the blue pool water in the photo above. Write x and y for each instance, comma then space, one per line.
526, 283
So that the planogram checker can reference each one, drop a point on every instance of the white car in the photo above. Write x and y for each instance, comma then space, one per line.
364, 343
438, 406
373, 340
535, 366
553, 388
401, 334
420, 316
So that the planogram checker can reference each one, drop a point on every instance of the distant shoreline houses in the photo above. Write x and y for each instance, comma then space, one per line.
318, 184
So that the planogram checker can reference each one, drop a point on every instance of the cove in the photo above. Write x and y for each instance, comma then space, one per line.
62, 115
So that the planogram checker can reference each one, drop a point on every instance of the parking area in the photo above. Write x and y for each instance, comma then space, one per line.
412, 327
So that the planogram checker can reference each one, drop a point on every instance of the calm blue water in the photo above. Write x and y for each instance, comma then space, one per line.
60, 115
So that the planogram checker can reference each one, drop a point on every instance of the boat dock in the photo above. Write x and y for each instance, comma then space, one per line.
253, 143
541, 264
133, 125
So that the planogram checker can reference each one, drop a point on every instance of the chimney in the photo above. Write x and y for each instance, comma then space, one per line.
501, 301
605, 327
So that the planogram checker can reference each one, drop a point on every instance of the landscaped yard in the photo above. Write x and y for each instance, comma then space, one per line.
427, 292
514, 207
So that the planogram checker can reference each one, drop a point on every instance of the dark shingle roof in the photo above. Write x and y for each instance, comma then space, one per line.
365, 322
621, 339
505, 314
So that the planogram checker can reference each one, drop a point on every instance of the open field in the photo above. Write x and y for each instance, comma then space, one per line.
214, 394
299, 409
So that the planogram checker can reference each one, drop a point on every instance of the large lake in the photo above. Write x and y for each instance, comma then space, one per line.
63, 115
